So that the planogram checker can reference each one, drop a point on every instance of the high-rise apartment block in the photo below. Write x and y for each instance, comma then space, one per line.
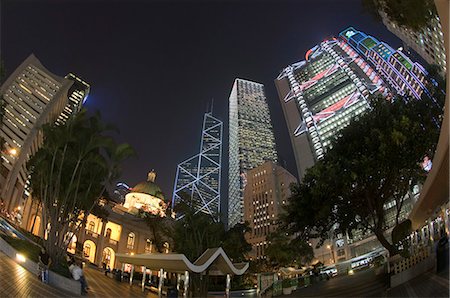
404, 76
32, 96
78, 94
428, 42
266, 192
321, 94
251, 140
198, 178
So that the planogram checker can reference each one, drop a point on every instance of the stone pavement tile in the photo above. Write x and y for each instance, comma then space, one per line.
103, 286
426, 285
16, 281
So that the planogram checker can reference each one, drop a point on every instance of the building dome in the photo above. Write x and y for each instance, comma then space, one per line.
149, 187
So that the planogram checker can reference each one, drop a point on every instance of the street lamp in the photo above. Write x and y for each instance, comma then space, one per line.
13, 152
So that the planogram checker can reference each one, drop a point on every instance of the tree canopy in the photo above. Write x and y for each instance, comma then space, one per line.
412, 14
376, 159
69, 174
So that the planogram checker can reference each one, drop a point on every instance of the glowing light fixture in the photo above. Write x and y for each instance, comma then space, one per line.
21, 258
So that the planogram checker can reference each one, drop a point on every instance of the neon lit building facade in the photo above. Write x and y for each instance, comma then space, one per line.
32, 96
403, 75
198, 178
251, 141
321, 94
428, 42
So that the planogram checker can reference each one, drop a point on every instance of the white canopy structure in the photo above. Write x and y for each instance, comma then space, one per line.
214, 259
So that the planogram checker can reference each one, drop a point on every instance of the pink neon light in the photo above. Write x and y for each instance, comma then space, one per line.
331, 109
307, 54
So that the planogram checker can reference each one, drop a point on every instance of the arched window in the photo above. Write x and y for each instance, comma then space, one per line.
148, 245
130, 240
87, 250
91, 226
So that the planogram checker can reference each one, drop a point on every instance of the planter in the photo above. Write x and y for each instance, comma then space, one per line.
287, 291
56, 280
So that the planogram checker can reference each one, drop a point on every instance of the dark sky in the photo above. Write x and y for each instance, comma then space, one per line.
154, 65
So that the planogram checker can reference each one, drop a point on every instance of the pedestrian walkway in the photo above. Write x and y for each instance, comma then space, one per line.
103, 286
16, 281
362, 284
428, 284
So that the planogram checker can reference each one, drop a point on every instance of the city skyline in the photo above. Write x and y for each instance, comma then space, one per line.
123, 97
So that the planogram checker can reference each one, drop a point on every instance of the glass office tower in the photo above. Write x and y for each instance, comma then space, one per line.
251, 140
198, 178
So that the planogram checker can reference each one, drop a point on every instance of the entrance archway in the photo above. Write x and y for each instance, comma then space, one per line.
109, 257
89, 249
72, 247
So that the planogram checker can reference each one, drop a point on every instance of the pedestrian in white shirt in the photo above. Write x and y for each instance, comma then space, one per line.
77, 274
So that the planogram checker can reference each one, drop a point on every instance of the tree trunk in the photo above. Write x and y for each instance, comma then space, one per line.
380, 236
35, 216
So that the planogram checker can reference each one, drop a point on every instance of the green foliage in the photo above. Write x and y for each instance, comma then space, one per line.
284, 251
399, 237
196, 232
412, 14
234, 243
161, 228
287, 283
69, 174
374, 160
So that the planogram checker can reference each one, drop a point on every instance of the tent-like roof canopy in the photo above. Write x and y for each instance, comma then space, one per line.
213, 258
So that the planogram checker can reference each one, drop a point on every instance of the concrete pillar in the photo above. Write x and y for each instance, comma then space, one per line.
131, 275
143, 278
161, 282
186, 284
178, 282
228, 286
258, 285
446, 223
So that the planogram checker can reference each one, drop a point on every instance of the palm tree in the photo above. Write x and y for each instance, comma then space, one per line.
69, 174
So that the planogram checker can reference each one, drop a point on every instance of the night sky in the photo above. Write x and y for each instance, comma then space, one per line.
154, 66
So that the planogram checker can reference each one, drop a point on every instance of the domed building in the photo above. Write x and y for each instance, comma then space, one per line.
122, 230
146, 196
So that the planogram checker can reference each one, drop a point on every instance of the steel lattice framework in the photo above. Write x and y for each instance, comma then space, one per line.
198, 178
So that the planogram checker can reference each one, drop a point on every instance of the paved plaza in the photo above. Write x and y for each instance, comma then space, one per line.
366, 284
16, 281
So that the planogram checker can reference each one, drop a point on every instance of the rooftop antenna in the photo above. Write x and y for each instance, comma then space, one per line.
212, 105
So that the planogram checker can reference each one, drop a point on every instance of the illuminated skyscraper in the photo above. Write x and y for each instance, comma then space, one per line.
32, 96
78, 94
251, 141
427, 42
404, 76
321, 94
198, 178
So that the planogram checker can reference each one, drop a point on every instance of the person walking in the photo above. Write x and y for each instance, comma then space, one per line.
44, 263
77, 274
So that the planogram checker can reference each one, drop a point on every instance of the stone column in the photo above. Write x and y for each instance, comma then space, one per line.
228, 286
131, 275
186, 284
161, 282
143, 278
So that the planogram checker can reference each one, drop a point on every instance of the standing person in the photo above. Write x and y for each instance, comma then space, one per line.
44, 263
77, 274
